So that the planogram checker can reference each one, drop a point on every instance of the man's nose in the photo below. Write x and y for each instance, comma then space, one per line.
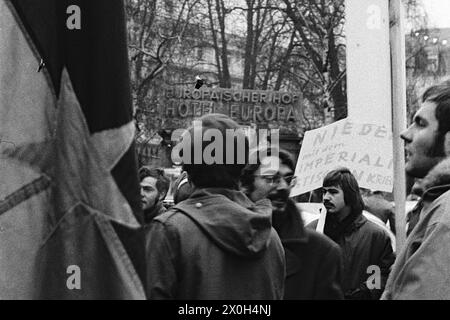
282, 184
406, 135
326, 196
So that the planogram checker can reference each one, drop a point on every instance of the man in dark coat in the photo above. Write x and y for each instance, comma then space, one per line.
366, 247
313, 262
154, 186
217, 244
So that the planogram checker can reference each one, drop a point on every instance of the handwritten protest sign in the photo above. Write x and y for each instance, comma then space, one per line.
364, 148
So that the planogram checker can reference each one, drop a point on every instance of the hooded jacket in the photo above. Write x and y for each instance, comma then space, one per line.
422, 269
313, 261
215, 245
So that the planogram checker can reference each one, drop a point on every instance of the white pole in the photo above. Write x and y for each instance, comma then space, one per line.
368, 61
397, 39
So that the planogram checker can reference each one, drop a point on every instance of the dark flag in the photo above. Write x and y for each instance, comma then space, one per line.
70, 223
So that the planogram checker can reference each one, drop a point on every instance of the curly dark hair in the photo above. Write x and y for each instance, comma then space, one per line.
248, 173
162, 181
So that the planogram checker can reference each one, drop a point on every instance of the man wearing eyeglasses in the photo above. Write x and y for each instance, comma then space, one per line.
313, 262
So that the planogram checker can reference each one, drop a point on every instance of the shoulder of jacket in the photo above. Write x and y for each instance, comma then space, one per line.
442, 202
437, 212
274, 238
171, 217
321, 240
375, 230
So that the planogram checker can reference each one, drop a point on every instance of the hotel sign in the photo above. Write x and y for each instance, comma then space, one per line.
257, 106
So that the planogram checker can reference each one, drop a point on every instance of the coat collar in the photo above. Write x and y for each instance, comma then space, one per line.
357, 223
291, 227
436, 182
336, 229
154, 212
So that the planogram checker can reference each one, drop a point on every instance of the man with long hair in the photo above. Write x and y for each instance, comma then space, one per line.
366, 247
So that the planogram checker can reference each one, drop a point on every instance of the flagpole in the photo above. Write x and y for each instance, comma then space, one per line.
397, 40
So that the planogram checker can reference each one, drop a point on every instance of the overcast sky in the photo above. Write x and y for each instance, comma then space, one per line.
438, 13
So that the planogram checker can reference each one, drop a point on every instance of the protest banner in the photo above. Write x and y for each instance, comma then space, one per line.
364, 148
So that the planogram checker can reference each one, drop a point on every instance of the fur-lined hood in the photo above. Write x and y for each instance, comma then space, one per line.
437, 181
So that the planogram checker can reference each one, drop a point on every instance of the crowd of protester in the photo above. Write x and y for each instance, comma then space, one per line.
235, 233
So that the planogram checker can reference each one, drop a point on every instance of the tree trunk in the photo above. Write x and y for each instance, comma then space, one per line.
337, 95
248, 45
226, 79
215, 42
284, 62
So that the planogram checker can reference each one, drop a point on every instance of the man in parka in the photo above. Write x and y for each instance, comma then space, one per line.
366, 247
422, 268
217, 244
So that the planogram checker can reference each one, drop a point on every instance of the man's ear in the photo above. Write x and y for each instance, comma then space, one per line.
447, 144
